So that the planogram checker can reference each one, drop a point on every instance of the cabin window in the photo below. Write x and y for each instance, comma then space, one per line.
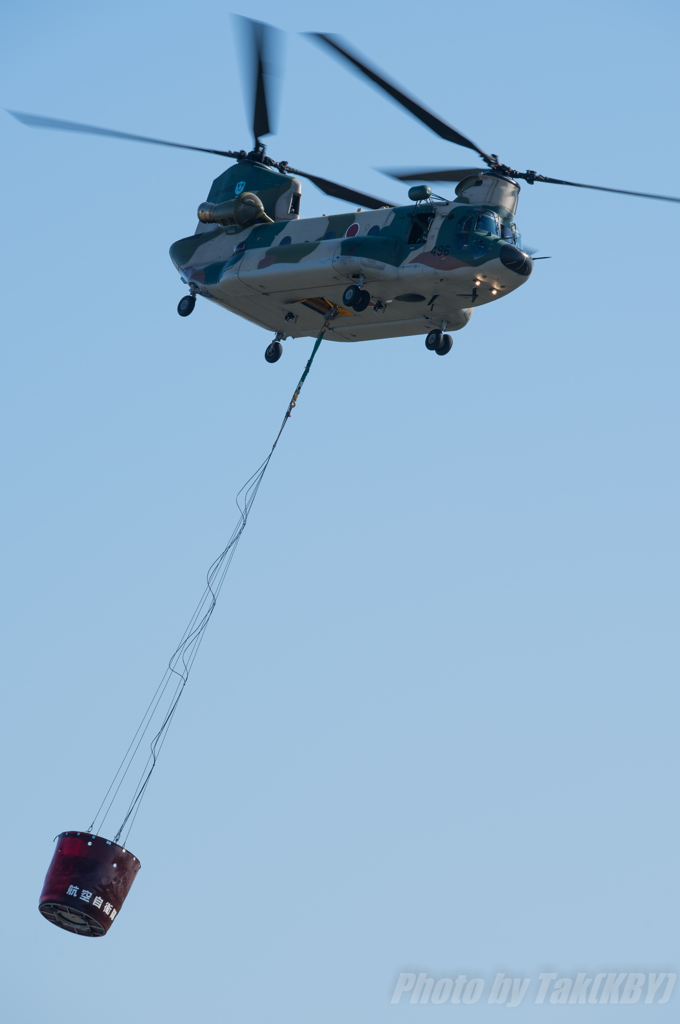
295, 204
240, 247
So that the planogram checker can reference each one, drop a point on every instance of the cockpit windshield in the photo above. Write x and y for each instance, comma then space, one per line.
488, 222
510, 234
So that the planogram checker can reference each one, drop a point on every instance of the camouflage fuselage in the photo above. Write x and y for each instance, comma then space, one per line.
424, 265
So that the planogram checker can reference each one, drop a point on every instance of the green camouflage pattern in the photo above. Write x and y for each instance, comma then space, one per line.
423, 264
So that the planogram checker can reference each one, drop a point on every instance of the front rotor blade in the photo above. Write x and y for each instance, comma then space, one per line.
261, 44
36, 121
350, 195
441, 128
452, 174
598, 188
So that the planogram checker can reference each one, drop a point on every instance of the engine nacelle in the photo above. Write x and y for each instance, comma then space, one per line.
242, 211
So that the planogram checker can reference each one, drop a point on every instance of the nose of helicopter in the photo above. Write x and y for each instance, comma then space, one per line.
514, 259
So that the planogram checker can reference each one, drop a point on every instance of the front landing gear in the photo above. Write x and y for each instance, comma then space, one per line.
356, 298
274, 350
437, 341
186, 305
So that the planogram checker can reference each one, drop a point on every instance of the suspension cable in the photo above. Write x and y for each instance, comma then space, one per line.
184, 655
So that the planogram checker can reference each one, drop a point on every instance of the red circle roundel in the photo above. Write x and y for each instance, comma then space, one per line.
352, 230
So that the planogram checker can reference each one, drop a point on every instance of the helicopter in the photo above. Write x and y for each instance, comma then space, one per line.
382, 271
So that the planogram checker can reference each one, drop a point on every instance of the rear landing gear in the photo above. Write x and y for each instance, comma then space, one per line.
274, 350
186, 305
437, 341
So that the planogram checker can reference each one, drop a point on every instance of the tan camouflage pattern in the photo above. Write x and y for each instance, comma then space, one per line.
424, 265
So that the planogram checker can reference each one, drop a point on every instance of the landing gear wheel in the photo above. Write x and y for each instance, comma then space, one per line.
273, 352
351, 294
445, 346
186, 305
433, 340
362, 302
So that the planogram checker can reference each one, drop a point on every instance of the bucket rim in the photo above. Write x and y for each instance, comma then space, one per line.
95, 835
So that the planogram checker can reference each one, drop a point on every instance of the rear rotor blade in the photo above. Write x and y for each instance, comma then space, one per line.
531, 177
434, 123
452, 174
36, 121
261, 45
350, 195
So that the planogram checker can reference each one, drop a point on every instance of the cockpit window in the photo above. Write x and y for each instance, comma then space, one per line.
487, 222
420, 227
510, 234
461, 239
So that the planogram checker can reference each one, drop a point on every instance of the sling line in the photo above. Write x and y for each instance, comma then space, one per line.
177, 673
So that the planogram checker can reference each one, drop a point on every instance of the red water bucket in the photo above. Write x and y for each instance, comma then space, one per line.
86, 883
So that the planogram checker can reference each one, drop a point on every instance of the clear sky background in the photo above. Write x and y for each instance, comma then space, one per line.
433, 725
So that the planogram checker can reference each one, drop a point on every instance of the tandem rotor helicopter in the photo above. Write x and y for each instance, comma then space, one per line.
382, 272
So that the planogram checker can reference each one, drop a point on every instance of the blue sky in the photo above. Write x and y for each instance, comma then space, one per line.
433, 724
